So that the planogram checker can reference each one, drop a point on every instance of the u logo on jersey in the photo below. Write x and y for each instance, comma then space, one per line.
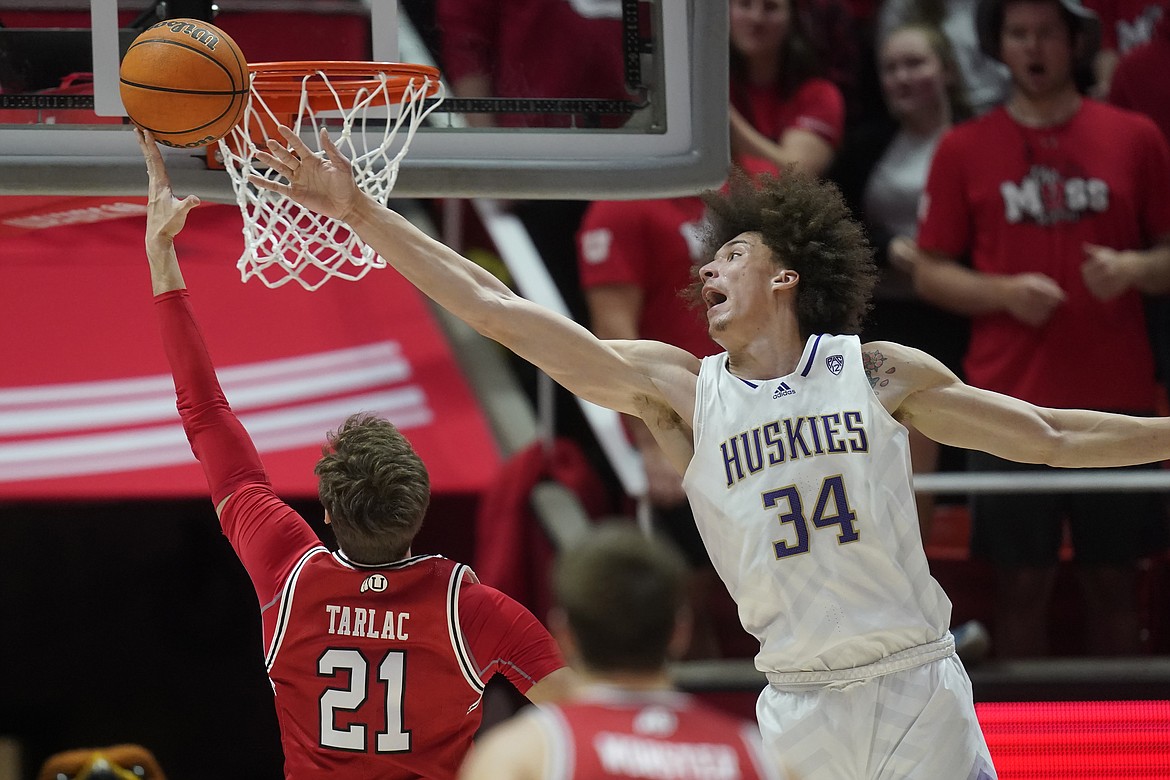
1045, 196
375, 582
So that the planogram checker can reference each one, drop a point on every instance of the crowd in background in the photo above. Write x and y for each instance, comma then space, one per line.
864, 94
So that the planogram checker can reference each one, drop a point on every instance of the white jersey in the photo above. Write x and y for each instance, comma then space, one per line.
800, 487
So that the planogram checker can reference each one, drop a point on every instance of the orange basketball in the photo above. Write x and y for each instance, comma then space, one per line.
186, 81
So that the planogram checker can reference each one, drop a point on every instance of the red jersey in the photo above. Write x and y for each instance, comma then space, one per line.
1019, 199
1139, 83
377, 670
1126, 24
339, 635
817, 106
614, 734
536, 49
653, 245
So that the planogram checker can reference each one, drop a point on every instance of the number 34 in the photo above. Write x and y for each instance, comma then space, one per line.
832, 508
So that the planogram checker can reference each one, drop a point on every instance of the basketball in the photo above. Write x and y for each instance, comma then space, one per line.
186, 81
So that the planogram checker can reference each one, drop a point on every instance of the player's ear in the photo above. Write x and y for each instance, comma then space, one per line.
328, 519
785, 278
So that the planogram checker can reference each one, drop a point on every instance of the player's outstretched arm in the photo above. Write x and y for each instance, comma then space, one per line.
218, 440
588, 367
921, 391
165, 217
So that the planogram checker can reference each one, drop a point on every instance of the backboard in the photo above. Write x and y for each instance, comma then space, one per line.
568, 99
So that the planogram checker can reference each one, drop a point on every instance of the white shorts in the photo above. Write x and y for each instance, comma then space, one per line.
916, 724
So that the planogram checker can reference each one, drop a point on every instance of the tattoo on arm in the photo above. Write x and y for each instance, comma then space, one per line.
872, 361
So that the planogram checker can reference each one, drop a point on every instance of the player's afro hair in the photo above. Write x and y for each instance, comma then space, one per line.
806, 224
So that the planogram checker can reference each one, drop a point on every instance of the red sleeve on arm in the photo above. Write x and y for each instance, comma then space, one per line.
505, 637
217, 438
609, 237
820, 109
269, 538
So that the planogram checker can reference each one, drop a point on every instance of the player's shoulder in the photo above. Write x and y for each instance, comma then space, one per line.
900, 369
892, 351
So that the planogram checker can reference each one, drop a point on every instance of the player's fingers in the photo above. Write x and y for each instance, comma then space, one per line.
148, 147
282, 153
295, 144
268, 160
332, 152
268, 184
286, 165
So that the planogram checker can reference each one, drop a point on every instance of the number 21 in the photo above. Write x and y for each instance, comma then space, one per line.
391, 671
832, 492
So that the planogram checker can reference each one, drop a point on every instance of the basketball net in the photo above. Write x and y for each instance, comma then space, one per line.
371, 122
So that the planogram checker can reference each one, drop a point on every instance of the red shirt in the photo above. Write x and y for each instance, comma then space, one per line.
1140, 82
612, 734
654, 246
1127, 23
817, 106
377, 671
535, 49
1020, 199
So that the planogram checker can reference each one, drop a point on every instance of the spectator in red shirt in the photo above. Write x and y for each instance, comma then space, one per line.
782, 112
1063, 206
1140, 84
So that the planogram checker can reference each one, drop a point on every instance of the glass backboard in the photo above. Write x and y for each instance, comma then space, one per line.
574, 99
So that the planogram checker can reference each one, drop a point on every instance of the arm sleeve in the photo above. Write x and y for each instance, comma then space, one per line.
609, 239
267, 535
820, 109
505, 638
219, 441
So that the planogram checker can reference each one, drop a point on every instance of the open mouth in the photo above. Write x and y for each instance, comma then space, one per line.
713, 298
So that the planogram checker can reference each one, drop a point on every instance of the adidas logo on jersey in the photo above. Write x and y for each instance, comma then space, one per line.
782, 390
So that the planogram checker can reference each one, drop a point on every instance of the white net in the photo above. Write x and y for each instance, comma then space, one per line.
370, 125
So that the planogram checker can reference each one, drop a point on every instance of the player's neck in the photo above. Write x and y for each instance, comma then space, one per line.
768, 355
1046, 110
629, 681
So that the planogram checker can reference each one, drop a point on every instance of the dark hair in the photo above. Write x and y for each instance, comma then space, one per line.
621, 592
375, 488
805, 222
798, 62
1084, 36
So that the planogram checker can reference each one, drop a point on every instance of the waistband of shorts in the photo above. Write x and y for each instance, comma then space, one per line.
897, 662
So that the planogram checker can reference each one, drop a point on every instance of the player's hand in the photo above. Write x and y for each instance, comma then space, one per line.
1107, 272
165, 214
1032, 298
323, 184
